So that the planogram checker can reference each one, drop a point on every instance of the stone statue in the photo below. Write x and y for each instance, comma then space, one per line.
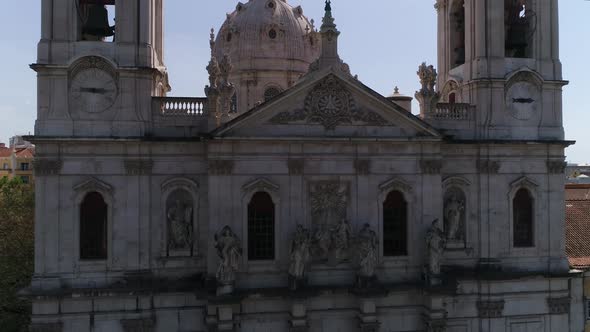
435, 243
340, 242
367, 251
300, 255
453, 212
180, 225
427, 96
229, 250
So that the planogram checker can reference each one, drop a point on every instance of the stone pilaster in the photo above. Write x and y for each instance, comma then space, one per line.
299, 318
488, 166
296, 166
368, 316
431, 166
362, 166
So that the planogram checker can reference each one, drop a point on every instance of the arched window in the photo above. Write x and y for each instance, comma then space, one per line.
458, 33
270, 93
261, 227
97, 19
93, 227
522, 207
395, 225
519, 26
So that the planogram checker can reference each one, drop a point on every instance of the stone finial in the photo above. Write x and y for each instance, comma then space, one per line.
396, 91
427, 96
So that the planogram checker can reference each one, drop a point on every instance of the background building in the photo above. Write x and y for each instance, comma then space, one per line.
300, 200
17, 159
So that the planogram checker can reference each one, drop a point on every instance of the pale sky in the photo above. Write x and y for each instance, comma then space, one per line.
383, 41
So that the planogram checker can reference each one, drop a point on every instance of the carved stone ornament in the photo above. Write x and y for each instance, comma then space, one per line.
362, 166
490, 309
46, 327
331, 231
296, 166
138, 325
437, 325
221, 167
299, 253
229, 250
45, 167
559, 305
488, 166
330, 104
431, 166
138, 167
556, 166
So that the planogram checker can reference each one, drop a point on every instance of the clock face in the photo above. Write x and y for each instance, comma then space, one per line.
522, 100
93, 90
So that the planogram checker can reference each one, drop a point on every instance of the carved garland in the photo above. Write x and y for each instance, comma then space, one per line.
490, 309
556, 166
47, 167
138, 167
330, 104
559, 305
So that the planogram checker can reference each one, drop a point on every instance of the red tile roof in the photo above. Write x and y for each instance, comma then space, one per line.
577, 232
25, 152
5, 152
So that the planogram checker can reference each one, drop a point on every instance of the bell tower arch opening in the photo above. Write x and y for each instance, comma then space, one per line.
97, 20
457, 40
520, 23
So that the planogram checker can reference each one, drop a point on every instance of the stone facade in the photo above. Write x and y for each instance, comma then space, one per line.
178, 187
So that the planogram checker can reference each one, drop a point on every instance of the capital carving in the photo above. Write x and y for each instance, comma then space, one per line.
296, 166
138, 167
490, 309
362, 166
138, 325
556, 167
46, 327
45, 167
488, 166
559, 305
431, 166
221, 167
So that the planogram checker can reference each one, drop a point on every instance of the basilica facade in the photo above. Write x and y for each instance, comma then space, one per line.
292, 197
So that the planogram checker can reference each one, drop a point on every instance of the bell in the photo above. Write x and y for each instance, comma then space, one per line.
97, 24
517, 40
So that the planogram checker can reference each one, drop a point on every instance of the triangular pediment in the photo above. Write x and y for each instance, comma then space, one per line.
328, 104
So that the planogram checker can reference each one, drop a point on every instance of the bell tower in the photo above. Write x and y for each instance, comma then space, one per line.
502, 57
99, 62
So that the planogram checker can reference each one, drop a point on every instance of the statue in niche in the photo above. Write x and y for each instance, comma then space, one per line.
300, 255
454, 213
435, 243
179, 214
367, 255
229, 249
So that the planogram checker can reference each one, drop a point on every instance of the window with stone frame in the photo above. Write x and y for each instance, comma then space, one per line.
93, 227
523, 219
395, 225
271, 92
457, 33
519, 27
97, 20
261, 227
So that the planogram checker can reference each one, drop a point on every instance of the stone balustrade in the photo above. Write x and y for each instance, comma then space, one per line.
451, 111
180, 106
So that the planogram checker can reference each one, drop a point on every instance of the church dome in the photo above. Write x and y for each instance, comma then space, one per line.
270, 44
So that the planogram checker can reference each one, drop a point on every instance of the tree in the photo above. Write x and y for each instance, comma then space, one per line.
17, 207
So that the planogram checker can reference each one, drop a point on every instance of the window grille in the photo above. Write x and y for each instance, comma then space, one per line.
93, 227
523, 219
261, 228
395, 225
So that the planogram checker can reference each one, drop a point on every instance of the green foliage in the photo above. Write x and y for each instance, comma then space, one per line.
17, 205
